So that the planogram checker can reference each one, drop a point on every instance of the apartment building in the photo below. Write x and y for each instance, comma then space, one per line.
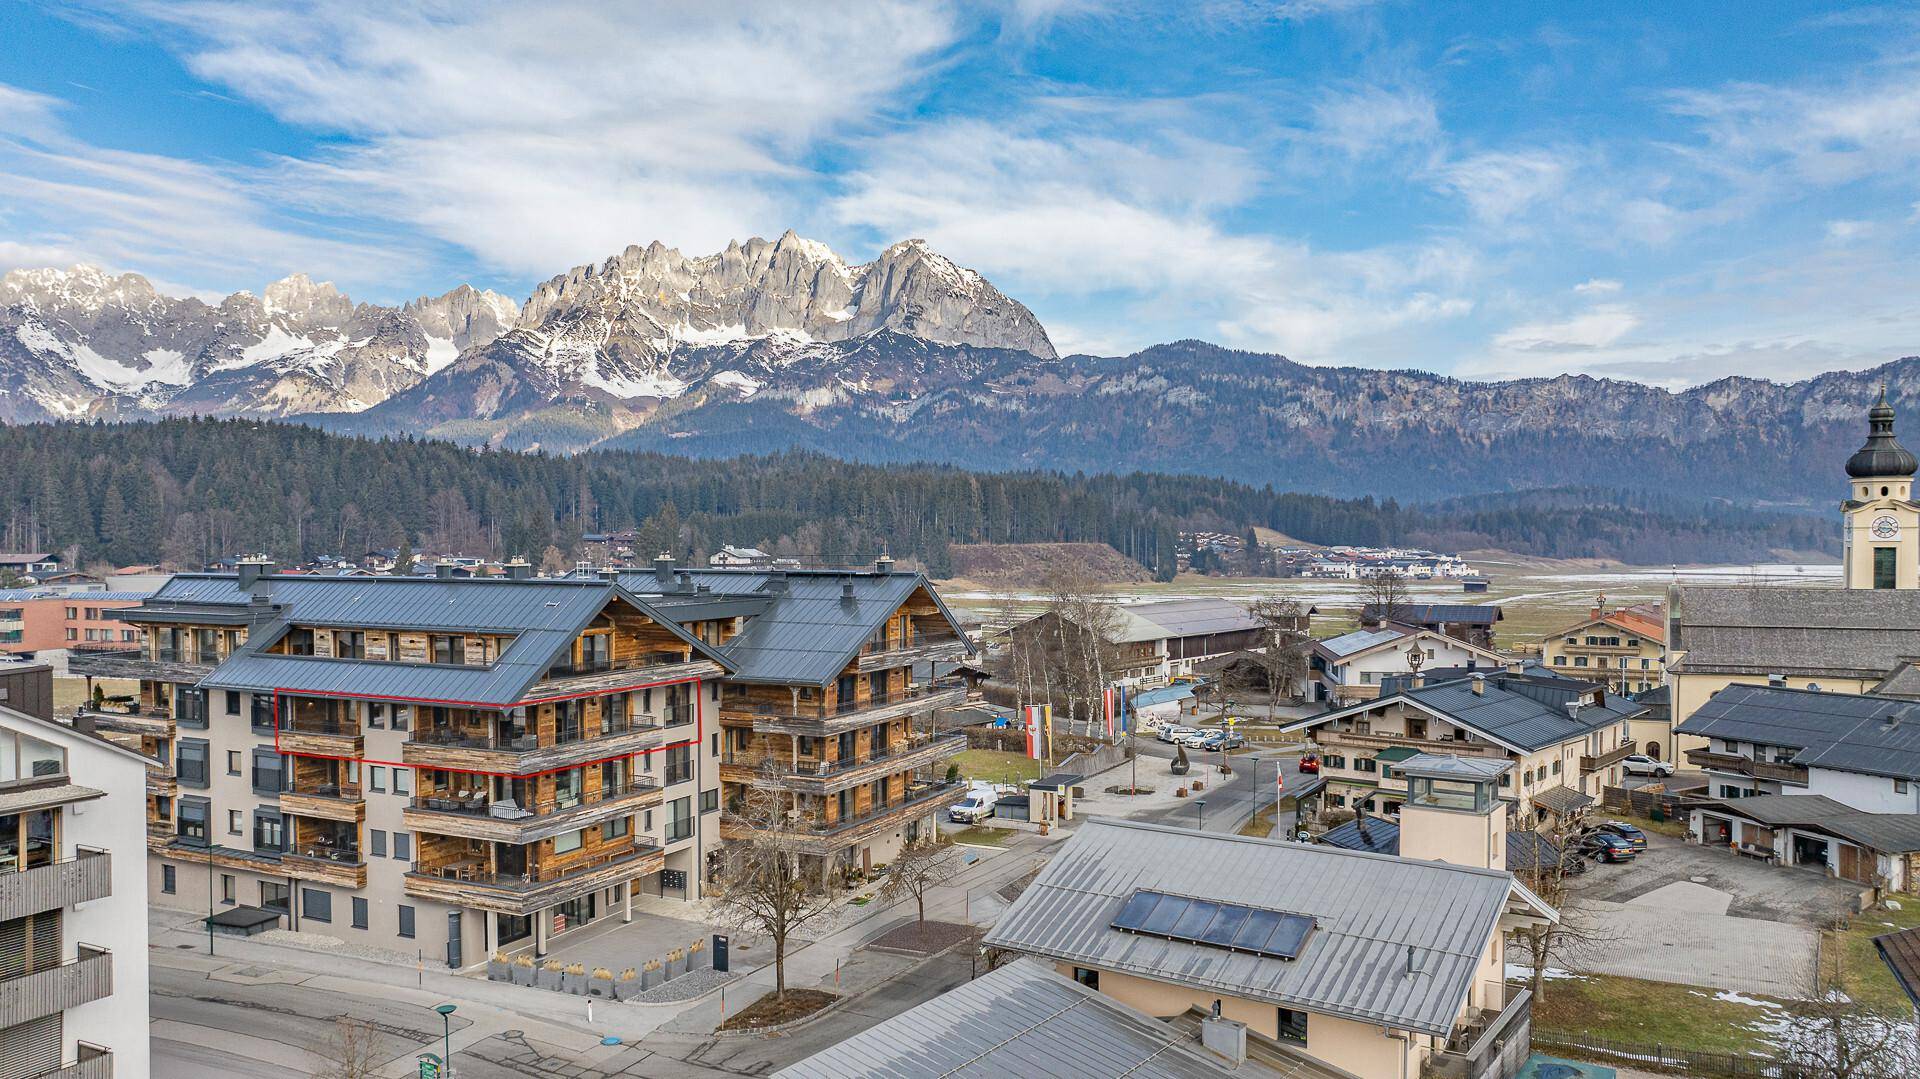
73, 910
1341, 962
1563, 738
1624, 649
40, 619
459, 765
1355, 666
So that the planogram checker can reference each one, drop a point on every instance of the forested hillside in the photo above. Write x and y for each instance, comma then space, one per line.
187, 491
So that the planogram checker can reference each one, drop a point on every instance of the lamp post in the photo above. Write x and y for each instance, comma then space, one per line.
209, 827
1201, 805
446, 1036
1253, 765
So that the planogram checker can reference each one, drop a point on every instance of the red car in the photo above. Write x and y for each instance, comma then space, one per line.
1309, 765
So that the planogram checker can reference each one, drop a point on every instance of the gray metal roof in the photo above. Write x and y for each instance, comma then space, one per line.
1562, 799
1524, 848
1893, 833
1449, 766
1367, 910
1432, 614
1850, 632
1348, 644
1903, 681
1515, 710
1195, 617
1022, 1019
808, 632
1844, 731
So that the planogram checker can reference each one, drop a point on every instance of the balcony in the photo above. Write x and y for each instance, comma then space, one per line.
828, 719
773, 770
1607, 759
826, 837
1454, 746
1489, 1044
470, 883
475, 816
91, 1062
153, 663
613, 674
1707, 760
925, 648
52, 885
325, 801
497, 750
46, 991
132, 719
319, 728
339, 866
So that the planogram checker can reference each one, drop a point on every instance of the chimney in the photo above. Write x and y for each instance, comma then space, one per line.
443, 570
1777, 681
663, 569
519, 569
609, 574
1418, 678
1515, 666
846, 593
776, 582
683, 582
1479, 684
883, 564
1226, 1038
251, 569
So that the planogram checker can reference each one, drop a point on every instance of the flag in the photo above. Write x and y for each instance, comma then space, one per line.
1106, 704
1126, 718
1033, 732
1048, 755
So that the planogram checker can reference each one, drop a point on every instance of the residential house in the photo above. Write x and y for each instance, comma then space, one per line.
1861, 750
739, 556
1158, 641
1374, 965
1563, 738
25, 563
45, 620
1354, 666
1471, 623
73, 910
1623, 648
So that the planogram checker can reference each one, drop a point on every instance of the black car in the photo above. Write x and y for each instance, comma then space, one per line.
1606, 847
1625, 831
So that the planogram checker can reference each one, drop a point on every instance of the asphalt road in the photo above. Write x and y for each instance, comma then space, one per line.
1231, 805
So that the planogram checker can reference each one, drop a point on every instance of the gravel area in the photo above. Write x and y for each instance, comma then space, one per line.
686, 987
923, 938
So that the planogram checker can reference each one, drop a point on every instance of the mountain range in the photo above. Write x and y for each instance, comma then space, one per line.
780, 344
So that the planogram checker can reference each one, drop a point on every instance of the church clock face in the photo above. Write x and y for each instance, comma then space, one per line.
1884, 527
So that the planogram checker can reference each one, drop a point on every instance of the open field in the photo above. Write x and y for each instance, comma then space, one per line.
1537, 598
996, 766
1658, 1013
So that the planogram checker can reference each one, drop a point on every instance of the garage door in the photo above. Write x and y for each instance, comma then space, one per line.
1856, 864
1753, 835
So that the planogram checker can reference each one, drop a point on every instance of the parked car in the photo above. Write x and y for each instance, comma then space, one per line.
976, 807
1625, 831
1606, 847
1310, 764
1196, 738
1172, 732
1642, 765
1220, 740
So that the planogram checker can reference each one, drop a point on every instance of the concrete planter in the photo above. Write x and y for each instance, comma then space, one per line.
699, 960
651, 978
676, 966
524, 975
627, 988
498, 971
600, 987
548, 979
574, 983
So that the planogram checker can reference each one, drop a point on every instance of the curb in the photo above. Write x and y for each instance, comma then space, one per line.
794, 1024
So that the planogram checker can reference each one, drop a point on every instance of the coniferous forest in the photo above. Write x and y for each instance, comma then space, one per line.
188, 491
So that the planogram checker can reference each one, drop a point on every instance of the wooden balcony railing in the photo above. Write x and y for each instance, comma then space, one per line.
1606, 760
48, 886
44, 991
1707, 760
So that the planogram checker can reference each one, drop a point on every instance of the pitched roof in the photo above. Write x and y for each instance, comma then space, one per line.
1370, 913
1356, 642
804, 632
1894, 833
1524, 848
1022, 1019
1850, 632
1519, 711
1634, 620
1428, 614
1848, 732
1562, 799
1900, 951
1903, 681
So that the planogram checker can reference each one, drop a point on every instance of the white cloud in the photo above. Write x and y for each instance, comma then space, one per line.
1846, 231
1362, 120
1595, 328
1501, 185
1597, 286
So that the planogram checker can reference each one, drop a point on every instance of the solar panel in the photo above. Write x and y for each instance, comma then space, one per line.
1232, 926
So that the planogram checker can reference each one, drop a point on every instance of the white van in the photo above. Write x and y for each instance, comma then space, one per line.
976, 807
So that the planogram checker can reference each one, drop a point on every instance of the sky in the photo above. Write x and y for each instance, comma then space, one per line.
1664, 193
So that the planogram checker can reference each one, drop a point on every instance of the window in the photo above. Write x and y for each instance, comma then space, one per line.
1579, 661
233, 762
232, 703
359, 913
274, 897
1087, 977
190, 707
235, 822
680, 819
1366, 764
377, 842
881, 731
1884, 573
377, 778
193, 816
226, 888
1559, 661
710, 800
190, 763
403, 781
1334, 760
403, 846
1293, 1026
615, 828
449, 649
400, 714
269, 830
350, 644
568, 841
406, 920
261, 717
1556, 767
167, 881
269, 771
376, 715
316, 905
1899, 786
679, 764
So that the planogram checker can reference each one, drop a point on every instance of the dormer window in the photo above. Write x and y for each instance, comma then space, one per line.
299, 641
449, 649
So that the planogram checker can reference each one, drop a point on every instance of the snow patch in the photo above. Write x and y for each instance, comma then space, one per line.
169, 366
718, 335
275, 344
441, 351
655, 385
736, 381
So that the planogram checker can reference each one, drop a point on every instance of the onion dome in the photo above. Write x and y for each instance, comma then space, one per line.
1882, 456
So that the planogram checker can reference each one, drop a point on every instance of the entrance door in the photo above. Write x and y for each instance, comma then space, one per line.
454, 951
1856, 864
1715, 832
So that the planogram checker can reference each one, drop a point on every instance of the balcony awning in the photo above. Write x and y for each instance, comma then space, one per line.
29, 797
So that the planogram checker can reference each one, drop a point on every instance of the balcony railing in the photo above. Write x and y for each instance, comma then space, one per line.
1733, 762
472, 871
608, 664
1607, 759
924, 792
348, 792
45, 991
1490, 1044
52, 885
479, 803
90, 1062
817, 767
839, 708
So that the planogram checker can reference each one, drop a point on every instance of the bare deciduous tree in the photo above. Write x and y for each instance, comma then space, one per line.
1837, 1036
1283, 657
763, 888
1556, 944
919, 868
352, 1051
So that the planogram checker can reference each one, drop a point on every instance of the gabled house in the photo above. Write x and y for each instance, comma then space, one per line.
1355, 666
1624, 648
1469, 622
1862, 751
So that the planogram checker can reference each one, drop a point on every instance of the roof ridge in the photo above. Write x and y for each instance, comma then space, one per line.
1289, 844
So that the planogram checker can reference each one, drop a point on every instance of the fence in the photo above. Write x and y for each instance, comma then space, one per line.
1687, 1061
1092, 762
1671, 805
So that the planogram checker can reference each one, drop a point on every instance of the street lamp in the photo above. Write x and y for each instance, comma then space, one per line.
1253, 765
1201, 805
446, 1036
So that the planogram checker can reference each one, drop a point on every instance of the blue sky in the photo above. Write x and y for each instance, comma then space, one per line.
1668, 193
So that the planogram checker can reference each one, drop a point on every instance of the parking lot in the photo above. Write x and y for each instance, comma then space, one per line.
1701, 916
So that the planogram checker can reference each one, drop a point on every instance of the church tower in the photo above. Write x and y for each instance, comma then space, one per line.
1882, 540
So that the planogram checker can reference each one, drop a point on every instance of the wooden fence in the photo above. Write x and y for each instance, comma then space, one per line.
1645, 801
1665, 1057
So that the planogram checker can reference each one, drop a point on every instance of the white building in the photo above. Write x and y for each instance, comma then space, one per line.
1352, 666
73, 908
739, 556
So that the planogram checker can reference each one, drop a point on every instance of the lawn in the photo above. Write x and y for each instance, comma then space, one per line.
1651, 1013
1861, 974
1675, 828
1261, 823
977, 836
996, 765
